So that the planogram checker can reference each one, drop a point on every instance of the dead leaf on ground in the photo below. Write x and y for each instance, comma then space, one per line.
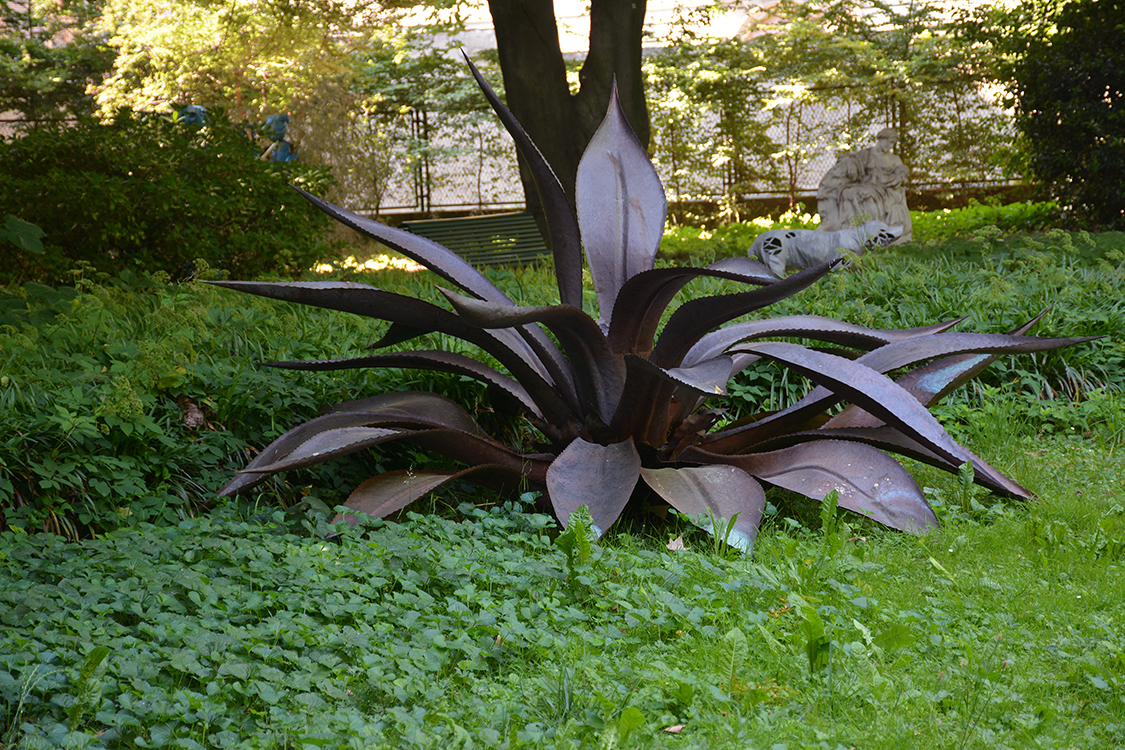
677, 544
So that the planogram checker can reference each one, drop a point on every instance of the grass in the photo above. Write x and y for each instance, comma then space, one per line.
471, 628
474, 623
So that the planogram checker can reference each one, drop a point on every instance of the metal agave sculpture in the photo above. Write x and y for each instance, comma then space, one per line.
619, 401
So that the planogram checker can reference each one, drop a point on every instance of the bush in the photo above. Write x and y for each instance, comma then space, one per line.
1068, 85
128, 401
151, 193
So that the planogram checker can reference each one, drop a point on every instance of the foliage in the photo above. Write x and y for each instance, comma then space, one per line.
696, 83
383, 118
353, 78
689, 244
180, 345
245, 629
23, 234
127, 399
889, 64
932, 229
1064, 72
40, 77
929, 226
618, 406
250, 58
147, 192
829, 74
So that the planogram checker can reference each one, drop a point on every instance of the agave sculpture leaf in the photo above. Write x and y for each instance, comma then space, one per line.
619, 401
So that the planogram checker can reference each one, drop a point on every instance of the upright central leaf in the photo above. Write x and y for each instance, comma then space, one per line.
621, 208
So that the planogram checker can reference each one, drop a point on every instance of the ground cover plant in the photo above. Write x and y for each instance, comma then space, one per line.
487, 628
617, 400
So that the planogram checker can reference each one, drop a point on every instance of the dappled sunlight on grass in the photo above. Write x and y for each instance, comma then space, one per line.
374, 263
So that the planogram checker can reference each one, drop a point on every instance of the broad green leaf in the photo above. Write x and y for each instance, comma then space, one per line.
23, 234
575, 541
818, 644
629, 721
731, 656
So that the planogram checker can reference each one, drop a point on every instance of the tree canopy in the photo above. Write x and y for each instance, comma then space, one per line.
1063, 65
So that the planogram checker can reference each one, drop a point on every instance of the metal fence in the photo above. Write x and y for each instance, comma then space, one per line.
466, 162
948, 138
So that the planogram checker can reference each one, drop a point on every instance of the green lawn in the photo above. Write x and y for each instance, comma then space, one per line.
470, 629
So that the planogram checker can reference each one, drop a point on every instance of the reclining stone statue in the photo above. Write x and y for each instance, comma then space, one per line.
779, 249
870, 182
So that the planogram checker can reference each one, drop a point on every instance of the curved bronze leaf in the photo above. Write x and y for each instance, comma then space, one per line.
645, 296
599, 374
968, 346
507, 346
601, 477
697, 317
439, 259
869, 389
725, 491
651, 405
745, 268
409, 409
621, 207
808, 327
476, 449
963, 356
869, 481
889, 439
562, 224
406, 408
391, 491
439, 361
707, 378
328, 444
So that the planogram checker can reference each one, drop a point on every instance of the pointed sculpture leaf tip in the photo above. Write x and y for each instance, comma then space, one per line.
598, 404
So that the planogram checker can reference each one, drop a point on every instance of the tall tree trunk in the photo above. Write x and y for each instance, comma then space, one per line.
537, 92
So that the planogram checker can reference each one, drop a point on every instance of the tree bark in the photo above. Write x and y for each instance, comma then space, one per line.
537, 92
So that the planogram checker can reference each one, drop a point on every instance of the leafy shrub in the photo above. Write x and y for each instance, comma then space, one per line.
617, 406
1068, 90
149, 193
1013, 217
684, 243
126, 400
